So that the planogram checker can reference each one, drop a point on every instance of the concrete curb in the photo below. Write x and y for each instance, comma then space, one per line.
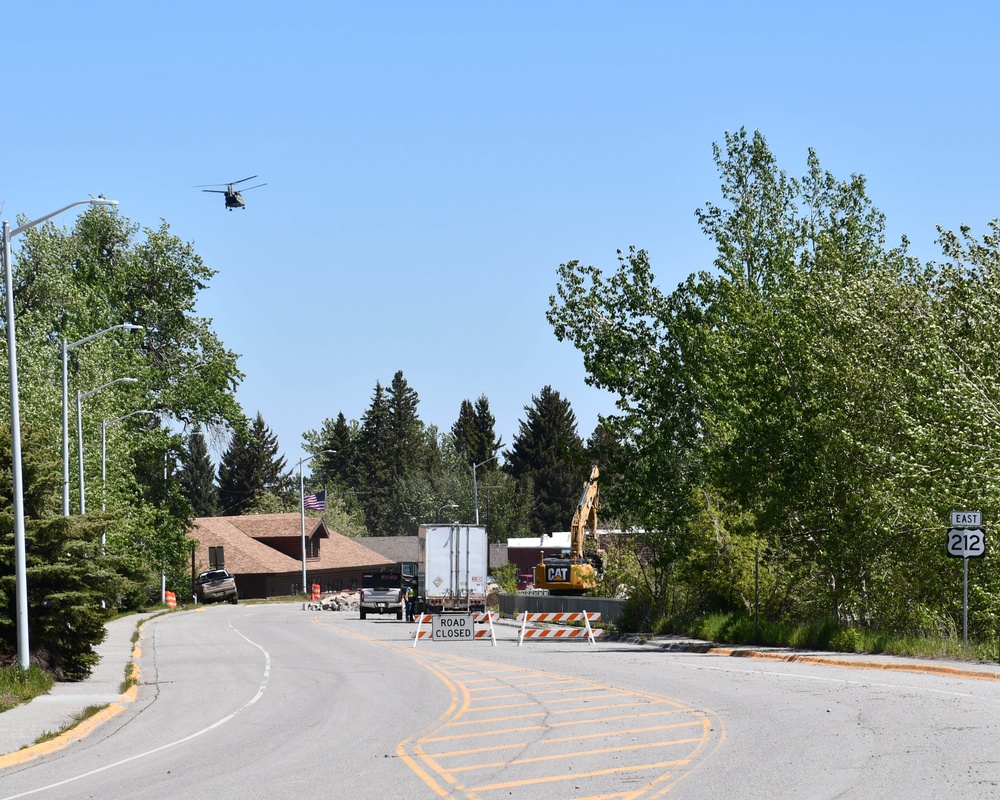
84, 728
833, 661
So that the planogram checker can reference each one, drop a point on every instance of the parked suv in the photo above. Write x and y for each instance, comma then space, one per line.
215, 584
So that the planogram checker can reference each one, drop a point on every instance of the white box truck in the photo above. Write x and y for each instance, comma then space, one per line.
451, 568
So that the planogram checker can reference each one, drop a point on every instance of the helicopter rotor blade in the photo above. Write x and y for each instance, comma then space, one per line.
201, 185
252, 187
245, 180
214, 191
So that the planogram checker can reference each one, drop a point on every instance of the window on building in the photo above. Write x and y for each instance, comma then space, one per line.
216, 557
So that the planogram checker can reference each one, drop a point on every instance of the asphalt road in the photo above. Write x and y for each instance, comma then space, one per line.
272, 701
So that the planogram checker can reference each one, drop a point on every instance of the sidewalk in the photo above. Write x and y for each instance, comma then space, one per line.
50, 713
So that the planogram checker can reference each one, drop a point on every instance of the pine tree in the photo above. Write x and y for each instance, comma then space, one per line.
406, 432
197, 476
549, 453
375, 477
475, 437
250, 469
464, 431
68, 573
485, 443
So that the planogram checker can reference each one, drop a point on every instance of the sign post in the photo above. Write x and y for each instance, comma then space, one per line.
966, 539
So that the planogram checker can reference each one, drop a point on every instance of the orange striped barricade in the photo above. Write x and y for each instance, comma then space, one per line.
171, 599
482, 618
559, 633
314, 596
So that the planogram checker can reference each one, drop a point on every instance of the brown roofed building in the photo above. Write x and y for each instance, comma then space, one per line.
264, 552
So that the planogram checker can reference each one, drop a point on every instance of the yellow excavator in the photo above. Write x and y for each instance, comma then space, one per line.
572, 573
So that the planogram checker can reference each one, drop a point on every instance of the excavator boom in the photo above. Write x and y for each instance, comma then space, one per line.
573, 575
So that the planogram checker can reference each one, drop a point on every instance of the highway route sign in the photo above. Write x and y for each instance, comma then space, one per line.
966, 542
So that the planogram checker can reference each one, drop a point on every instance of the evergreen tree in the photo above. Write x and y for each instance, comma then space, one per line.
475, 438
406, 447
548, 451
340, 466
69, 574
250, 469
197, 477
375, 476
485, 442
464, 431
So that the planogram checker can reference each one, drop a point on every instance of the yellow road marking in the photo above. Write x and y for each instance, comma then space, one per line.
469, 688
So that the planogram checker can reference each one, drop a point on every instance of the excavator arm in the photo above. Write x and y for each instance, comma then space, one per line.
573, 575
585, 516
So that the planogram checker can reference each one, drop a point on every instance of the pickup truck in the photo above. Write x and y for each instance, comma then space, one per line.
382, 593
216, 584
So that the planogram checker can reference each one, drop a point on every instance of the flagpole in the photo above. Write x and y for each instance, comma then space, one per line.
302, 513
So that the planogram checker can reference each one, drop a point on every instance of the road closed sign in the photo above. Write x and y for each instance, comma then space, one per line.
452, 627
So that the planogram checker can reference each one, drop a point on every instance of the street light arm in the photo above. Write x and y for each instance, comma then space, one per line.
94, 201
85, 395
109, 422
487, 461
125, 326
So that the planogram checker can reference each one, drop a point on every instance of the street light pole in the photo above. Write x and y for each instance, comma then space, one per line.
20, 567
475, 486
441, 508
302, 509
79, 431
66, 347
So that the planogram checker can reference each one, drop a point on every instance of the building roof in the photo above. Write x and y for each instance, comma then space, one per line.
563, 539
558, 539
405, 548
277, 526
397, 548
246, 552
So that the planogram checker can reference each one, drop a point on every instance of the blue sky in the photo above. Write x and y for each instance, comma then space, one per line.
430, 165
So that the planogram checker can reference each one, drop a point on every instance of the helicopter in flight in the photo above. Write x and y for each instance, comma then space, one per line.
233, 197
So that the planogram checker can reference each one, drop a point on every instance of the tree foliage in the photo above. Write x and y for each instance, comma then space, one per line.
197, 476
252, 475
79, 286
548, 456
818, 397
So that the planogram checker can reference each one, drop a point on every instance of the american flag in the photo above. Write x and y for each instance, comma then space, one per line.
317, 502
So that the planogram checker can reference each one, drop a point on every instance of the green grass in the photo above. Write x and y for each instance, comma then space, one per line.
831, 636
17, 686
86, 714
131, 677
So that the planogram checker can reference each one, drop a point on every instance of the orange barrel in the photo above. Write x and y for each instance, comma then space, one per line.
171, 599
315, 592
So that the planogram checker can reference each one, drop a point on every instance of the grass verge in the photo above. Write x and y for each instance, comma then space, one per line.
831, 636
86, 714
19, 686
